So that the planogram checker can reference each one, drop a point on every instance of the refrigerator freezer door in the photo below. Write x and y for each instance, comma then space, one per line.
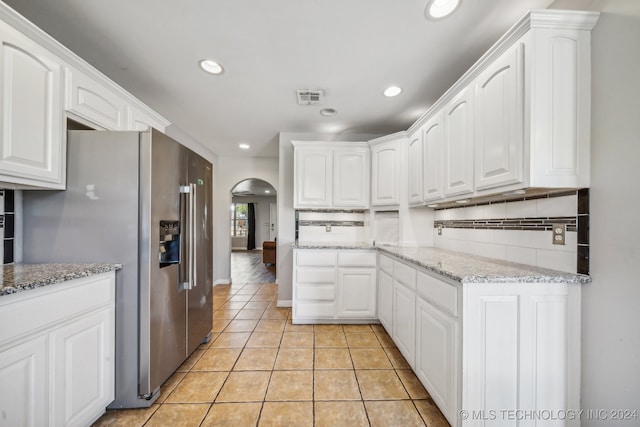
162, 299
200, 300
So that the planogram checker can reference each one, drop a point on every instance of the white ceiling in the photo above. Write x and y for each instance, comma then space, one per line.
351, 49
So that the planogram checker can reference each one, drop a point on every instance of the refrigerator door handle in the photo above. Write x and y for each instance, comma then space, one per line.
185, 233
192, 236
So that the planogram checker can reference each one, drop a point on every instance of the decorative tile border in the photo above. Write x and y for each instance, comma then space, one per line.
8, 224
321, 223
583, 231
535, 224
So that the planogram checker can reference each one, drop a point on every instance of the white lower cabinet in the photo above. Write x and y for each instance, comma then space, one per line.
404, 312
385, 300
330, 286
57, 363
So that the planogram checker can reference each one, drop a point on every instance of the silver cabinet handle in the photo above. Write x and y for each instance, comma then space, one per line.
185, 236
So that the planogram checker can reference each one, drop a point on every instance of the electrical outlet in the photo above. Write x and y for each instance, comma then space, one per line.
558, 234
327, 228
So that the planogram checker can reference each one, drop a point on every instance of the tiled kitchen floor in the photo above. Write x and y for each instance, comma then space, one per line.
260, 369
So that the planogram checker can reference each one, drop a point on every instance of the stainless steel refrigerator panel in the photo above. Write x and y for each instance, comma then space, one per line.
200, 300
96, 220
162, 298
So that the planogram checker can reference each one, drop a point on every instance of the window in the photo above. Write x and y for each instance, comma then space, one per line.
239, 223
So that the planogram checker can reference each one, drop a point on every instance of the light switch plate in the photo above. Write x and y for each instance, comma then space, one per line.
558, 234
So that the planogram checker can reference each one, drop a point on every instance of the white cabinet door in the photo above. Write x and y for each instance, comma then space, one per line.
24, 384
32, 149
404, 320
82, 355
433, 162
94, 101
351, 178
498, 119
458, 155
436, 356
385, 174
357, 292
415, 169
385, 300
313, 170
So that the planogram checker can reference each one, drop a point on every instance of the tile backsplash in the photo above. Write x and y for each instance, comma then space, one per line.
7, 225
520, 231
330, 226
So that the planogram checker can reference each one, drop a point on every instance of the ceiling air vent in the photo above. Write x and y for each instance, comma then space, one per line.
310, 97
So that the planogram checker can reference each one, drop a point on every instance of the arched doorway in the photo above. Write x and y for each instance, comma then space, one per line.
253, 229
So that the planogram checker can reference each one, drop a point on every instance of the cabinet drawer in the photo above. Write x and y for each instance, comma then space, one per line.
316, 292
316, 258
404, 274
438, 292
315, 275
386, 264
357, 259
315, 310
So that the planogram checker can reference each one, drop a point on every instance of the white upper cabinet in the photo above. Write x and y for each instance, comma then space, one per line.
499, 105
458, 144
31, 120
385, 169
351, 177
432, 160
95, 102
141, 121
331, 175
415, 168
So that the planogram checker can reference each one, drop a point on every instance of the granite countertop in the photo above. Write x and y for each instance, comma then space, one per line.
459, 266
22, 277
467, 268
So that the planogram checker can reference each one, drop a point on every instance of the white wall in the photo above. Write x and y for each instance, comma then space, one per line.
230, 171
610, 304
262, 219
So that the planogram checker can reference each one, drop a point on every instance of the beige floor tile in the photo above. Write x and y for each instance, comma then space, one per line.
247, 314
233, 415
126, 417
178, 415
262, 297
297, 339
240, 298
217, 305
370, 358
264, 339
378, 328
244, 387
393, 413
330, 339
328, 328
198, 387
276, 314
335, 385
231, 340
257, 305
380, 385
290, 386
219, 325
397, 359
385, 339
224, 314
340, 414
332, 358
290, 327
243, 291
256, 359
169, 385
289, 414
241, 326
234, 305
412, 384
294, 358
191, 360
431, 413
357, 328
356, 339
217, 359
270, 325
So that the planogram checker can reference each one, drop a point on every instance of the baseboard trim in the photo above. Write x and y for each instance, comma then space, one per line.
283, 303
222, 282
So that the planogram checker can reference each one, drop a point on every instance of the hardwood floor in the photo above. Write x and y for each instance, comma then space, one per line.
247, 267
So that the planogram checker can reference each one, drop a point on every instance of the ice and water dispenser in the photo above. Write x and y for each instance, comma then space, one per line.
169, 252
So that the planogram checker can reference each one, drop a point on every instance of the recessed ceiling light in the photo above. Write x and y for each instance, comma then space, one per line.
211, 67
244, 146
328, 112
392, 91
438, 9
267, 191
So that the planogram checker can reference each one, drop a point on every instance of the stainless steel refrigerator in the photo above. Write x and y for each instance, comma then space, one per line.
143, 200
